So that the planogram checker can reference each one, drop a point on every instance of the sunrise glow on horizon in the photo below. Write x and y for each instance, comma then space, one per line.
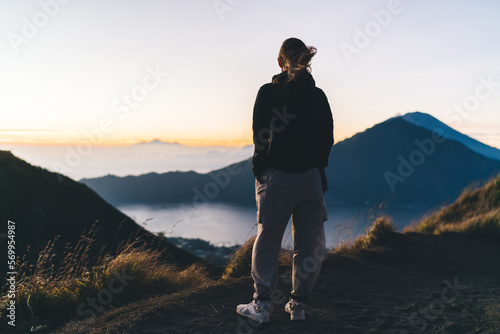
189, 72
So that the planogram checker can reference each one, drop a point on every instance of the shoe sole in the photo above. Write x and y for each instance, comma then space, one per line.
260, 320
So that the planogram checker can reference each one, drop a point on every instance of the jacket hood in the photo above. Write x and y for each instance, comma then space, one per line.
305, 79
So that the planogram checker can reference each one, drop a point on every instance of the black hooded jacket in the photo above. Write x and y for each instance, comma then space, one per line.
292, 126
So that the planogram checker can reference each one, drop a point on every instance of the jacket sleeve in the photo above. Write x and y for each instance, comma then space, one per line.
261, 132
325, 133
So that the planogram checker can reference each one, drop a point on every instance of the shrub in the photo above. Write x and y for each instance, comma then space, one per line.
240, 263
374, 235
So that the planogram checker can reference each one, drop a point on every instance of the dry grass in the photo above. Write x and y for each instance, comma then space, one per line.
240, 263
475, 212
51, 291
374, 235
487, 224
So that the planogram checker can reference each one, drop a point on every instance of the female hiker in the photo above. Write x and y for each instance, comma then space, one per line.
293, 136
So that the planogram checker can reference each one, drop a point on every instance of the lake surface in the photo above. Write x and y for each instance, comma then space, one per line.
228, 225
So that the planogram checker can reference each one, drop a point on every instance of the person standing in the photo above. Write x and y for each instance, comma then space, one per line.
293, 136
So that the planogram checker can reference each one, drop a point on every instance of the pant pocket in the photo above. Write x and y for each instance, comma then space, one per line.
260, 198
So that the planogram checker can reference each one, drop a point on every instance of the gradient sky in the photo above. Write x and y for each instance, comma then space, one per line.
71, 75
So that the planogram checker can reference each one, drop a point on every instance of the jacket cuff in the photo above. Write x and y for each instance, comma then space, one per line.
259, 165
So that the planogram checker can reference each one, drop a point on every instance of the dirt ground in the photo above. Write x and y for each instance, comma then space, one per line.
411, 284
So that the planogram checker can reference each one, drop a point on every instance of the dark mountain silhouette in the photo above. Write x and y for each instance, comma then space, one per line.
232, 184
394, 162
430, 123
399, 162
44, 205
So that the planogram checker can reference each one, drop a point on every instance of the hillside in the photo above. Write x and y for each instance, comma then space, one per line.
387, 282
44, 205
395, 288
393, 162
410, 283
475, 212
400, 283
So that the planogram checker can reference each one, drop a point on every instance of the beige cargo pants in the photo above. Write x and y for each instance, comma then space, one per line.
280, 195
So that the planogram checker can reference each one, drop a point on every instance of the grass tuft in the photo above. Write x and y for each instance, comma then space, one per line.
59, 292
380, 228
240, 263
486, 225
374, 235
475, 212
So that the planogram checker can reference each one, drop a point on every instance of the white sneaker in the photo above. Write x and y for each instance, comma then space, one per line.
297, 310
256, 310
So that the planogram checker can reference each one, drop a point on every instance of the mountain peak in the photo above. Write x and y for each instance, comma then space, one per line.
423, 120
431, 123
157, 142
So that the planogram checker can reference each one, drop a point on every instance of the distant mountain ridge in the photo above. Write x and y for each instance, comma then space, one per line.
430, 123
231, 184
374, 166
44, 205
158, 142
